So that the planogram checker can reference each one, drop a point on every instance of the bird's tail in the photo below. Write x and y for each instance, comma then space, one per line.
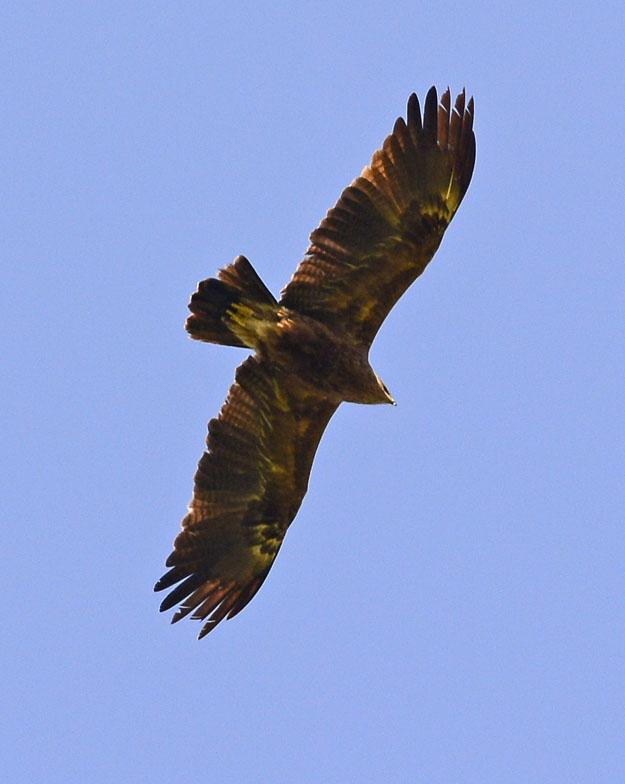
228, 309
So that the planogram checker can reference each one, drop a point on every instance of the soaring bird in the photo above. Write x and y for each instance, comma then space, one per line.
310, 354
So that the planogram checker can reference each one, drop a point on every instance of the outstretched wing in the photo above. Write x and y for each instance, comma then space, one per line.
248, 487
389, 222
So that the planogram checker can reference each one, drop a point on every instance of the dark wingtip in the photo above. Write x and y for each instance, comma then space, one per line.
182, 590
460, 101
413, 113
165, 605
400, 126
430, 115
444, 109
171, 577
208, 627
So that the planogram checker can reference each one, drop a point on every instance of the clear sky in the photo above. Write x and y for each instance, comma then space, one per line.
448, 605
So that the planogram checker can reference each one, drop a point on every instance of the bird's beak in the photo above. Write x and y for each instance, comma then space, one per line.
387, 394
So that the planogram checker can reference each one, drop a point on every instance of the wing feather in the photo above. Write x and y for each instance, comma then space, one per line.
389, 222
248, 487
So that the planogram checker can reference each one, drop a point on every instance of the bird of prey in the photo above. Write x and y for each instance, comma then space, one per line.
310, 354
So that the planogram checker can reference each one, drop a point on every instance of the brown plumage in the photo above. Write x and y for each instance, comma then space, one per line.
311, 354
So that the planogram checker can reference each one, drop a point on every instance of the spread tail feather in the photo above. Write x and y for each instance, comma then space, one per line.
221, 306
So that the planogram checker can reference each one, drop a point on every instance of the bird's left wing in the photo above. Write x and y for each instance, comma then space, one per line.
389, 222
248, 487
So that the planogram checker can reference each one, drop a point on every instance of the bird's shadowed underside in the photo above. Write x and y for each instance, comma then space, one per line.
310, 354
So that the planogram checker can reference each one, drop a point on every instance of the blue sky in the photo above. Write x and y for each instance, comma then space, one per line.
448, 606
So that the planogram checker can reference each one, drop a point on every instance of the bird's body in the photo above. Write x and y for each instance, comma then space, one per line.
310, 354
320, 361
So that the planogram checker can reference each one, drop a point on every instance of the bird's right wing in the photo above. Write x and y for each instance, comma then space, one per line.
248, 487
389, 222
